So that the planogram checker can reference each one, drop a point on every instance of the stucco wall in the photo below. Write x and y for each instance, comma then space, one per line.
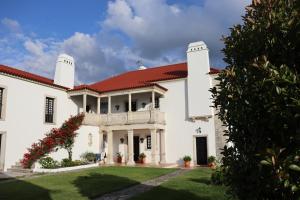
180, 130
24, 120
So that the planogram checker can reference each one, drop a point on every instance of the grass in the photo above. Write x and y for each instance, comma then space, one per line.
83, 184
191, 185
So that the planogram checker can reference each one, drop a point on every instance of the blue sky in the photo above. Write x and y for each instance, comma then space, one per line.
108, 37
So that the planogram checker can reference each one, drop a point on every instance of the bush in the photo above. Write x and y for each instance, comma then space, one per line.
187, 158
89, 157
142, 155
258, 101
66, 162
217, 177
211, 159
48, 163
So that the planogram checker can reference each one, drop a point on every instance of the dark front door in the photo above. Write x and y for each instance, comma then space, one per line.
136, 148
201, 146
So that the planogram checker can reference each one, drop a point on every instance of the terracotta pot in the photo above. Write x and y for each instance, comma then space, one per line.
187, 163
119, 159
212, 165
142, 160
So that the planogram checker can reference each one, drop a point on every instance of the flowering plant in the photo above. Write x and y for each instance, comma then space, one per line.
62, 137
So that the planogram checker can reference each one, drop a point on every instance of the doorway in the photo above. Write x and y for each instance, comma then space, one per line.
201, 150
2, 149
136, 148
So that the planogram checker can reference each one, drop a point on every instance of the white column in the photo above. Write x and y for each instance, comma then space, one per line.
101, 149
153, 147
153, 99
129, 102
84, 103
130, 147
162, 147
110, 154
109, 104
98, 105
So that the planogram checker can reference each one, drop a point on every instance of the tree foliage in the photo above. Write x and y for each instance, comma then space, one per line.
63, 137
259, 100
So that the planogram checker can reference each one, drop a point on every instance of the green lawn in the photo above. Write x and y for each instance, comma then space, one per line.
83, 184
191, 185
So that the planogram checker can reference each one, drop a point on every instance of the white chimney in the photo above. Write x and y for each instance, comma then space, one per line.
65, 71
199, 81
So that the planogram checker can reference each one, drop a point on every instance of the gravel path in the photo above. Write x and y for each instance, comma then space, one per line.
140, 188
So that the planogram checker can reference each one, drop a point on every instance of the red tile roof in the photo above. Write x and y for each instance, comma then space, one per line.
27, 75
128, 80
142, 78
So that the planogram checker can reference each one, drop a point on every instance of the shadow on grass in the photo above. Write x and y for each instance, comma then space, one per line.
112, 187
201, 180
95, 184
14, 189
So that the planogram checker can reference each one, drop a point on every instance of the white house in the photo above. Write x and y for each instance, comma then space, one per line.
163, 111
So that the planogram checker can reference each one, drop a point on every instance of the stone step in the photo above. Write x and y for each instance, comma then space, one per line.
15, 169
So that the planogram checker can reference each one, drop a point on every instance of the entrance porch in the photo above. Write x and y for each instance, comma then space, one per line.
130, 143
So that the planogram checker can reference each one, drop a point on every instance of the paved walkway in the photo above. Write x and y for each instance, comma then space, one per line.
140, 188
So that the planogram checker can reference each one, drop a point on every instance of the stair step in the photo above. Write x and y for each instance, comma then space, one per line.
19, 170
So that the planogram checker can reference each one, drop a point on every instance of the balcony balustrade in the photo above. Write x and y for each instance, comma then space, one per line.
125, 118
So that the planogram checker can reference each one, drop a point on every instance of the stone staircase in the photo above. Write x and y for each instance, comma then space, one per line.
18, 170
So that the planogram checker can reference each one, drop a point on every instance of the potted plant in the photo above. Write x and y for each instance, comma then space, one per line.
187, 161
211, 162
119, 157
142, 158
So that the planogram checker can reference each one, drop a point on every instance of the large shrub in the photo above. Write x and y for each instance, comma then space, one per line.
259, 101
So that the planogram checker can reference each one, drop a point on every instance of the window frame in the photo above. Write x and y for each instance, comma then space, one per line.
3, 102
54, 109
148, 142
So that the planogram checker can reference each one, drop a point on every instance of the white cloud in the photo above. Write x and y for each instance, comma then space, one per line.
158, 28
11, 24
155, 33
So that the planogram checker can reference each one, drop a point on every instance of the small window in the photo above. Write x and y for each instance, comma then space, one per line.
103, 107
49, 110
148, 142
156, 102
1, 101
88, 108
133, 106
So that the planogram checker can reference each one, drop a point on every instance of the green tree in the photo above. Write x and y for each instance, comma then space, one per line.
259, 101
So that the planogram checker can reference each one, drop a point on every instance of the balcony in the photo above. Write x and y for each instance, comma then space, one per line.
125, 118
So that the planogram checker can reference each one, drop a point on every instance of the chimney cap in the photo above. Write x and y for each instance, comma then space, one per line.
65, 56
197, 46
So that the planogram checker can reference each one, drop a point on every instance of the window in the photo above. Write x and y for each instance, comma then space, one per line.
148, 142
133, 106
103, 107
1, 101
88, 108
156, 102
49, 110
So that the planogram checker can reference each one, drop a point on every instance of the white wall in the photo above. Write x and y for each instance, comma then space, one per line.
24, 120
180, 130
